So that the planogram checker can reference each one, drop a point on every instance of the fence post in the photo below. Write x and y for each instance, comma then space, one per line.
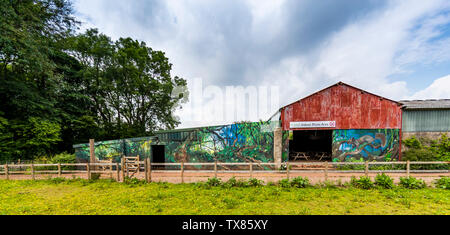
138, 165
366, 170
6, 171
182, 172
122, 161
88, 170
117, 171
146, 170
92, 151
326, 171
251, 169
59, 170
407, 168
149, 170
287, 170
215, 169
32, 171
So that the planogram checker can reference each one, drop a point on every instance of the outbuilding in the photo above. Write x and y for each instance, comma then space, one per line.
343, 123
338, 123
426, 118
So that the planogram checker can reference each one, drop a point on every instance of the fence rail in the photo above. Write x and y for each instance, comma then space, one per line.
251, 168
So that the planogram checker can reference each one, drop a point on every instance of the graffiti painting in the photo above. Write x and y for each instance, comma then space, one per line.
371, 145
239, 142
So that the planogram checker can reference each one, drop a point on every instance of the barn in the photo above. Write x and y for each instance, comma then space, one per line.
426, 118
343, 123
338, 123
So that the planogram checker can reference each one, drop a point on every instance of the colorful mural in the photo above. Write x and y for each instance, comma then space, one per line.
243, 142
367, 144
114, 149
239, 142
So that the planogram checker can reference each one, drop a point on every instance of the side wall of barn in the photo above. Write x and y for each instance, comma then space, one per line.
240, 142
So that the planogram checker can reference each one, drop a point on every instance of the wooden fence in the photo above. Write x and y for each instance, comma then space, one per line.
118, 171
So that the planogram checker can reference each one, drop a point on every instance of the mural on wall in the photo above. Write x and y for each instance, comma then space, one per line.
239, 142
114, 149
370, 144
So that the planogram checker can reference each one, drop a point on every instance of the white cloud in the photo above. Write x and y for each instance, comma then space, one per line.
254, 43
363, 53
439, 89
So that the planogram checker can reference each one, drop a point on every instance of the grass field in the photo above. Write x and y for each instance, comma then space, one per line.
107, 197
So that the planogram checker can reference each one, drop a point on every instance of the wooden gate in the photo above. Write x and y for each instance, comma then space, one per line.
131, 165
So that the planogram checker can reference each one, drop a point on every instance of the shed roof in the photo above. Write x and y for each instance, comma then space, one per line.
426, 104
340, 84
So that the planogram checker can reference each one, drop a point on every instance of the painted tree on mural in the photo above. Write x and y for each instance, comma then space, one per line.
240, 142
372, 145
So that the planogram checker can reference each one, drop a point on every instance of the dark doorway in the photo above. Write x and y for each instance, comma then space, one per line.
311, 145
158, 155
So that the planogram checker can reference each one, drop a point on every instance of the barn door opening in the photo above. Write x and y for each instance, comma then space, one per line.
311, 145
158, 155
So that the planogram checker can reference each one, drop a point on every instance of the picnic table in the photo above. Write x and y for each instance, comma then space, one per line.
321, 155
300, 155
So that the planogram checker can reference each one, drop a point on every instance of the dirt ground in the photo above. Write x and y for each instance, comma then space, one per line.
191, 177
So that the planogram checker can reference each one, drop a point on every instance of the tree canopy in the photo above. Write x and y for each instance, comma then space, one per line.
59, 87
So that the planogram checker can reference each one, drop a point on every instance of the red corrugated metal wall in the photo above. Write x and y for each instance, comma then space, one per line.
350, 107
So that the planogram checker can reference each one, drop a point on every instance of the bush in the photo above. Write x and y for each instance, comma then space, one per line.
232, 182
412, 183
254, 182
284, 183
427, 149
412, 143
214, 182
363, 182
418, 155
300, 182
132, 181
443, 182
64, 158
384, 181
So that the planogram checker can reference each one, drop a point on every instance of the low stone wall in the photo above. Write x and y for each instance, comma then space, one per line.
428, 135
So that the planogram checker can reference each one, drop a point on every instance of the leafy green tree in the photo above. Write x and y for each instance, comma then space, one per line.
35, 137
58, 88
129, 84
31, 33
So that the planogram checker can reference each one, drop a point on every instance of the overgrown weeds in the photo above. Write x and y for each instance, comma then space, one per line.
443, 182
412, 183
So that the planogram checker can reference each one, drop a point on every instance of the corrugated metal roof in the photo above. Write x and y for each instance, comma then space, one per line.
339, 84
426, 104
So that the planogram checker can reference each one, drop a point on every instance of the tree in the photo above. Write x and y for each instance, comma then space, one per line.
58, 88
29, 31
31, 34
129, 84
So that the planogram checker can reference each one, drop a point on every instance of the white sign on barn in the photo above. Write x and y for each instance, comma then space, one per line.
316, 124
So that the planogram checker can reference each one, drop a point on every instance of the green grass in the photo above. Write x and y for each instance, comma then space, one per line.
107, 197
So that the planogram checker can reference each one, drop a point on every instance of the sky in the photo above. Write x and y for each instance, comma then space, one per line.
396, 49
